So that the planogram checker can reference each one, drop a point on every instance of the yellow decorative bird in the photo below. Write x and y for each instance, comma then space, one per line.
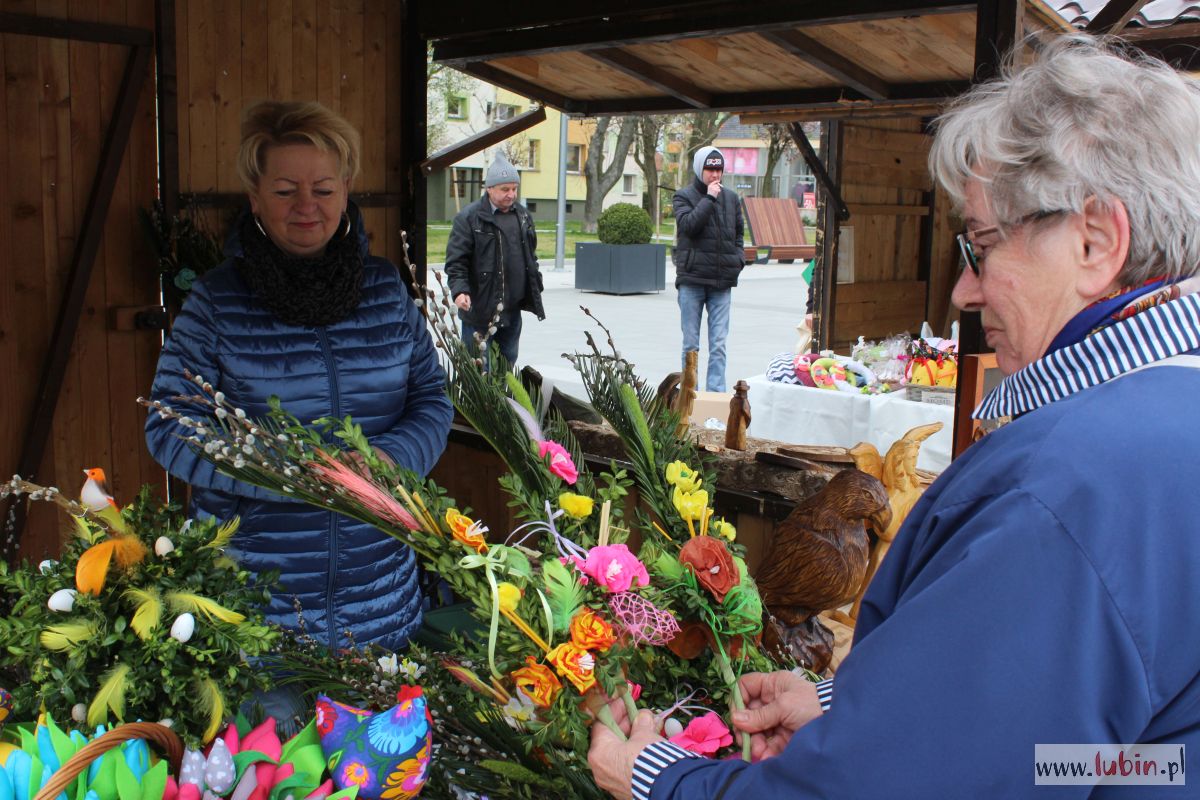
898, 471
92, 569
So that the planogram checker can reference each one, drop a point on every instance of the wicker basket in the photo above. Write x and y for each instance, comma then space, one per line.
166, 739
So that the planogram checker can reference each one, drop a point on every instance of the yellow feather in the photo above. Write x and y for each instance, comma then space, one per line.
212, 702
82, 528
129, 550
225, 533
111, 696
148, 614
64, 637
196, 603
92, 568
113, 518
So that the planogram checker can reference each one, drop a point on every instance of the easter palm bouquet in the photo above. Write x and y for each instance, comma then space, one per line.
573, 612
143, 618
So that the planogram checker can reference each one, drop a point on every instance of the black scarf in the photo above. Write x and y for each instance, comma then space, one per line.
315, 291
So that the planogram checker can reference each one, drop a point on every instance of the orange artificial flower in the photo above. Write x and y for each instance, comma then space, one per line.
537, 682
713, 565
466, 530
575, 664
690, 641
591, 632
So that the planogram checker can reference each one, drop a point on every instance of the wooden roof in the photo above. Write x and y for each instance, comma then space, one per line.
665, 56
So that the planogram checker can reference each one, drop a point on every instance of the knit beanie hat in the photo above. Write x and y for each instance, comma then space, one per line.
707, 158
501, 172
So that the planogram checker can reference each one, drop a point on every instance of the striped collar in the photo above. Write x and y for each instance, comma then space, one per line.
1154, 334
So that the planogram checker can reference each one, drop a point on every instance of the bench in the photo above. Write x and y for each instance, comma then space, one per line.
775, 224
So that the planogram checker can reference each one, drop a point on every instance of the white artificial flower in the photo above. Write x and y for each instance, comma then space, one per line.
389, 665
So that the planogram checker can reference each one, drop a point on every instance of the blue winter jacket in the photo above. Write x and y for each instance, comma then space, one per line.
1044, 590
379, 366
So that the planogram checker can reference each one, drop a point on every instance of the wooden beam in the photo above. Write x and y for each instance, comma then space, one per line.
54, 368
866, 111
484, 139
478, 39
498, 77
882, 209
414, 86
1178, 32
814, 163
653, 75
832, 63
832, 99
75, 30
998, 30
1114, 16
168, 106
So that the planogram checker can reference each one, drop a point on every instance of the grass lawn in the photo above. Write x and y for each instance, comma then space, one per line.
437, 233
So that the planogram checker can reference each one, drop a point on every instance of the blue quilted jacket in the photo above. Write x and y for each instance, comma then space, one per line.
380, 367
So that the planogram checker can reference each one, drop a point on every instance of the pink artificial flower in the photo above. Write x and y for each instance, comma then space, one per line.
614, 567
560, 461
635, 690
322, 791
704, 735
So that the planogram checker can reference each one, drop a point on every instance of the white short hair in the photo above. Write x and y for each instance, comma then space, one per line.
1085, 119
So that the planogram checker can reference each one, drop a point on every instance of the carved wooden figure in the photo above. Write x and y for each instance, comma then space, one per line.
686, 398
817, 561
898, 471
739, 417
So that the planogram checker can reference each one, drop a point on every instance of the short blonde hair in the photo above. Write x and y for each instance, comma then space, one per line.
272, 123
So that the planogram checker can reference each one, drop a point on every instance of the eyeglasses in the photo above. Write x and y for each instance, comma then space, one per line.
965, 239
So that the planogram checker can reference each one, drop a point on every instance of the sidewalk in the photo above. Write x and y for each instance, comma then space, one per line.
767, 304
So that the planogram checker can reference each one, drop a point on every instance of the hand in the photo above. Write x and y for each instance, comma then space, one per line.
808, 321
777, 705
714, 189
611, 759
463, 301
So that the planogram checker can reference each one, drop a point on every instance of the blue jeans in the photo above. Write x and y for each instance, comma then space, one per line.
506, 338
692, 300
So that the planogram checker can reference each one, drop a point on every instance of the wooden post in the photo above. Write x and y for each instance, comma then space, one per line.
413, 80
828, 223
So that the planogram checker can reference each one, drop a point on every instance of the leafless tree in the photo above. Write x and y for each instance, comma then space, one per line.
599, 179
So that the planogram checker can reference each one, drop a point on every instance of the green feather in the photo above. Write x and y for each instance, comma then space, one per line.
111, 696
199, 604
517, 390
61, 638
225, 534
564, 592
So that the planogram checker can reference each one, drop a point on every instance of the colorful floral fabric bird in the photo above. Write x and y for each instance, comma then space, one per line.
386, 754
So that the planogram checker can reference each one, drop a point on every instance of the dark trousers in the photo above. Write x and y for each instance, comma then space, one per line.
506, 338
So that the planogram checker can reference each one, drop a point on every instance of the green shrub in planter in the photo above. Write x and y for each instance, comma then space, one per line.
624, 223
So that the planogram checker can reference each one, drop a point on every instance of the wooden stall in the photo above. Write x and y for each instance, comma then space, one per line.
77, 159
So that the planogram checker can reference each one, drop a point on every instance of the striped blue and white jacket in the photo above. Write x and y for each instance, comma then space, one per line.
1044, 590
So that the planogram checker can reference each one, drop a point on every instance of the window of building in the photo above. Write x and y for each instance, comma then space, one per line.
466, 182
627, 185
456, 107
532, 206
505, 111
532, 152
575, 158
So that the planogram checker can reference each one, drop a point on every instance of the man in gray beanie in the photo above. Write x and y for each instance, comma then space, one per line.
491, 264
708, 258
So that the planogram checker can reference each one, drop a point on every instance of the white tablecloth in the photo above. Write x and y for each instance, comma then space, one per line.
801, 415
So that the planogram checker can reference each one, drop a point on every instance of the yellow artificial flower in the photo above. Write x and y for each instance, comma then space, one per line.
723, 528
466, 530
683, 477
690, 505
577, 506
510, 596
575, 664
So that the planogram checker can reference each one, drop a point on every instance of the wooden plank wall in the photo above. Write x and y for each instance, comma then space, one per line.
884, 182
56, 100
345, 54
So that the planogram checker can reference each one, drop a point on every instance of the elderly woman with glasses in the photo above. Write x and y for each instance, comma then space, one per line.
301, 310
1045, 590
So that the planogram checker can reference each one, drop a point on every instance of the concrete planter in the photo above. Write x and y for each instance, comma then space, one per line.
620, 268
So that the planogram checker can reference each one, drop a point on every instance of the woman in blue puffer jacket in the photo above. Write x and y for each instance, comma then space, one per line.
302, 311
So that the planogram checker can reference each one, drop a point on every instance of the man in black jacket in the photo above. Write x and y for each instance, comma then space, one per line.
708, 258
491, 264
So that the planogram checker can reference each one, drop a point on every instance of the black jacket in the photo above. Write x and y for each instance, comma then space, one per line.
708, 233
474, 262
